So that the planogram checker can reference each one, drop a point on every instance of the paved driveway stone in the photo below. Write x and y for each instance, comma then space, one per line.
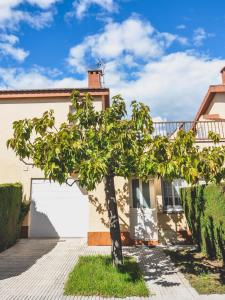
37, 269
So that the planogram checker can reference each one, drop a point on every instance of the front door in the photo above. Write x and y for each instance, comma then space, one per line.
143, 214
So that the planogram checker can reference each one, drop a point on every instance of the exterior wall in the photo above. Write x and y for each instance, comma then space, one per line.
98, 217
217, 106
172, 227
12, 170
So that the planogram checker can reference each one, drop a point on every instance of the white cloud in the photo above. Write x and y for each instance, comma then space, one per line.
9, 38
138, 66
8, 47
77, 58
13, 78
11, 15
173, 86
181, 26
134, 38
82, 6
38, 20
42, 3
200, 35
159, 119
183, 40
16, 53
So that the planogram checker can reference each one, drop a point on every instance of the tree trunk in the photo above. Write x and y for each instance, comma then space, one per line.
116, 248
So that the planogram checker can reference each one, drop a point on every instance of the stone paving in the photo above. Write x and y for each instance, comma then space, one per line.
37, 270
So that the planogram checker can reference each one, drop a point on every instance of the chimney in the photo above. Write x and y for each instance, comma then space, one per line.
223, 75
94, 79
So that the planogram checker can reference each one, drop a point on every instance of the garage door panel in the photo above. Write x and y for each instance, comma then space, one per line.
58, 210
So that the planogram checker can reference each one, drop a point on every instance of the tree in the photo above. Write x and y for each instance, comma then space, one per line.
101, 145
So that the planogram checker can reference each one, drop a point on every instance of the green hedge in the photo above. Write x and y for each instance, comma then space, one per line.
204, 207
11, 209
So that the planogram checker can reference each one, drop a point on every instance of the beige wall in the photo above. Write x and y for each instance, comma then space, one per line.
98, 217
217, 105
12, 170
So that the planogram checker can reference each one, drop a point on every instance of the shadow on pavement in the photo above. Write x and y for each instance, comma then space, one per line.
19, 258
154, 264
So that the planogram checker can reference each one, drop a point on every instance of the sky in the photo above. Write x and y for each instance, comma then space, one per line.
164, 53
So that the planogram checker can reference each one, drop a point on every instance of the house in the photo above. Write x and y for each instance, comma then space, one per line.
150, 212
54, 212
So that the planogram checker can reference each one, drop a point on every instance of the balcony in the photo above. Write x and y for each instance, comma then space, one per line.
201, 129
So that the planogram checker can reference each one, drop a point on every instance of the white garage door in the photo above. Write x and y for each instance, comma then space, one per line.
58, 211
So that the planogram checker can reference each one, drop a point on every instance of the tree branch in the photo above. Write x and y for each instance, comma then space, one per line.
71, 184
27, 163
55, 129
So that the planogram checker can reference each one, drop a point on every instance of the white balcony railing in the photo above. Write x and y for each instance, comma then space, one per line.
200, 128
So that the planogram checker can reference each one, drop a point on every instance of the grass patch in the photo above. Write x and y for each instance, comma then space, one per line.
206, 276
95, 275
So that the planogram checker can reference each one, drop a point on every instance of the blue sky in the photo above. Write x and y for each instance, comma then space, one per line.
165, 53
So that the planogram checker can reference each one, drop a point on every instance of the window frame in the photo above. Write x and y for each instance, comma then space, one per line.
140, 181
174, 208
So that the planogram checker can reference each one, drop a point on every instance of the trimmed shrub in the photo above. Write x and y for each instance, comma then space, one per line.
11, 214
204, 208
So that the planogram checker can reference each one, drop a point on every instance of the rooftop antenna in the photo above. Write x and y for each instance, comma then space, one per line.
101, 65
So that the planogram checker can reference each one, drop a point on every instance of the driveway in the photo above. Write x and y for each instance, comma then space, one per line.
37, 269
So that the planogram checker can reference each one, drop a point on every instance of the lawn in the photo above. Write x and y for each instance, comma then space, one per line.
206, 276
95, 275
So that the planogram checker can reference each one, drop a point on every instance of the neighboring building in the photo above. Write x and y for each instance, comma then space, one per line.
212, 107
149, 212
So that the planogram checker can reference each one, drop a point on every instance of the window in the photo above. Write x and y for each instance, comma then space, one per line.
171, 194
141, 193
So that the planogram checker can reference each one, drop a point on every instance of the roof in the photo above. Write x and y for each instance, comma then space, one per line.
213, 89
58, 92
